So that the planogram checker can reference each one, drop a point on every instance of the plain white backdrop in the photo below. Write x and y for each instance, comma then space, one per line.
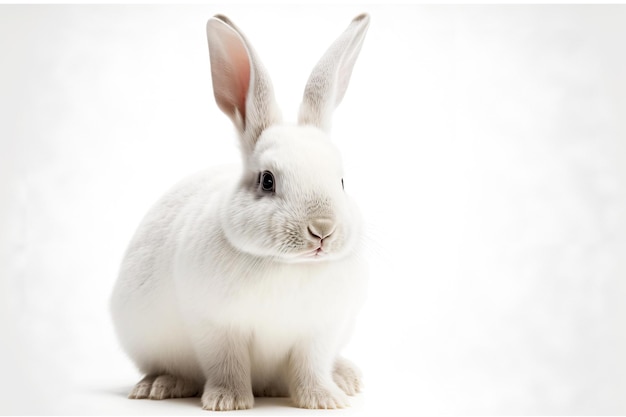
486, 146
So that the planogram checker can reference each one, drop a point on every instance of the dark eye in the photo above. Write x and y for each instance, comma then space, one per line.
267, 182
342, 184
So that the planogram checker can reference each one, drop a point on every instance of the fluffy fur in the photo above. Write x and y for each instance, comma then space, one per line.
228, 290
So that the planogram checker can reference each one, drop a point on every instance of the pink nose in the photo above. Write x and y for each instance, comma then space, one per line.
321, 228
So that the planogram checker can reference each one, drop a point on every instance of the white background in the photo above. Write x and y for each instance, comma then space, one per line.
485, 145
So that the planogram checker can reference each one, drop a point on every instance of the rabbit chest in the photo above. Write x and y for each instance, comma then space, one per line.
274, 308
279, 304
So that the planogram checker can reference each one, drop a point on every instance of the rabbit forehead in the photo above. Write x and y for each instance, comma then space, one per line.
298, 149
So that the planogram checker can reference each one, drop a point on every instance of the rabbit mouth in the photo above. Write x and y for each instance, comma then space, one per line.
315, 253
312, 255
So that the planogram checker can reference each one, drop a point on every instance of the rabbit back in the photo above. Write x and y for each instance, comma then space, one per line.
144, 304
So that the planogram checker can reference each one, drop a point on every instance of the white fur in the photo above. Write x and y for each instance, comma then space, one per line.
219, 292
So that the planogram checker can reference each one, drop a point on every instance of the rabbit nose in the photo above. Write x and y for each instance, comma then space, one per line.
321, 228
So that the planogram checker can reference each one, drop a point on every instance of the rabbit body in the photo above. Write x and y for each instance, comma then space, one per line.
239, 282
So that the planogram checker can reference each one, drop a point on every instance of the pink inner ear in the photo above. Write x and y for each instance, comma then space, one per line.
230, 69
241, 66
237, 77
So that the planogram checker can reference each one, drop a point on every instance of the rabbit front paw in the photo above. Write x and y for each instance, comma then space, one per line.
320, 397
226, 399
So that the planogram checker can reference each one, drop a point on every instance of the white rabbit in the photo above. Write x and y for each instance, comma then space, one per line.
246, 281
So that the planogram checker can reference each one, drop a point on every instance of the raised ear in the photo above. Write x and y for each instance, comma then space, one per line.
241, 86
330, 77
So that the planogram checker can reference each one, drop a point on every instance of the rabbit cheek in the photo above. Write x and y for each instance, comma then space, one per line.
247, 228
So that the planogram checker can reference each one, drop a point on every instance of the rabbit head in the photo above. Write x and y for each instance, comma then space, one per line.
289, 204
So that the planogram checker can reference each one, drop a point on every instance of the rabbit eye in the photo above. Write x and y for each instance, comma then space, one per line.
267, 181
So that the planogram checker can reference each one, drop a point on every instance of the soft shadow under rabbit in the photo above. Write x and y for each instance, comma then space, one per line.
247, 281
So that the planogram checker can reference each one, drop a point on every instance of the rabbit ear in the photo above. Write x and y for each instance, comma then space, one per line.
241, 86
330, 77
